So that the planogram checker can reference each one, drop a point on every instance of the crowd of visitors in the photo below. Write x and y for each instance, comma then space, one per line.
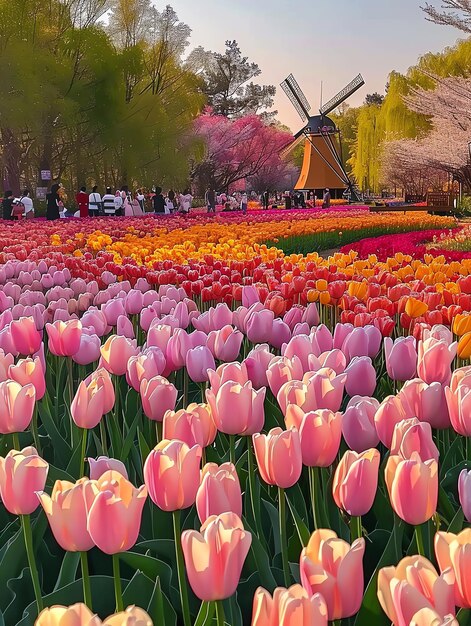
124, 202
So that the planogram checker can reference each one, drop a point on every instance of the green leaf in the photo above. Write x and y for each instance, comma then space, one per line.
464, 617
130, 437
150, 566
457, 522
371, 611
302, 529
68, 569
62, 449
205, 614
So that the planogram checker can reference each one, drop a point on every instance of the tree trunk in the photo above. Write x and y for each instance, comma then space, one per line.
11, 161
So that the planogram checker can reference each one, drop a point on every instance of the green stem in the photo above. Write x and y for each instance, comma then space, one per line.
158, 431
185, 388
232, 449
83, 452
419, 540
70, 384
355, 528
283, 537
87, 590
117, 407
312, 484
28, 537
181, 569
220, 613
118, 593
34, 429
251, 472
104, 445
16, 441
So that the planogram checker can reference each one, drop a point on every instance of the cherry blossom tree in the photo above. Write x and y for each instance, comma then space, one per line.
238, 149
455, 13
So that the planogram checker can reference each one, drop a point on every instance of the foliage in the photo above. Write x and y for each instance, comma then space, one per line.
226, 82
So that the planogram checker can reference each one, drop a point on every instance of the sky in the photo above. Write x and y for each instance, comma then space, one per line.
318, 40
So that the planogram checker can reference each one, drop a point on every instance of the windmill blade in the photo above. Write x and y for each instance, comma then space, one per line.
286, 151
297, 97
343, 95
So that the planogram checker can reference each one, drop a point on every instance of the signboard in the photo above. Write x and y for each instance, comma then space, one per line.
41, 193
45, 174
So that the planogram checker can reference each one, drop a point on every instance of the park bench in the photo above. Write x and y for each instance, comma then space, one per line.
436, 203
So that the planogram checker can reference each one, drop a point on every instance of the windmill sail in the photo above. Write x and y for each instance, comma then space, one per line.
297, 97
343, 95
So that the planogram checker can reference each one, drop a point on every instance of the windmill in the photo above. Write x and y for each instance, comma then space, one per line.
322, 165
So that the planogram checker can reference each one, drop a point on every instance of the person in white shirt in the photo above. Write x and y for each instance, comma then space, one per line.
118, 203
94, 202
186, 200
108, 201
28, 204
141, 199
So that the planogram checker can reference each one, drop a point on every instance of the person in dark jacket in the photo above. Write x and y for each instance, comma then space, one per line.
53, 200
158, 201
7, 205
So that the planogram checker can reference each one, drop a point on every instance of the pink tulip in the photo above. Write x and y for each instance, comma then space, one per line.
193, 425
219, 491
158, 395
89, 349
66, 510
215, 556
401, 358
117, 505
356, 481
458, 399
133, 302
426, 402
172, 474
103, 380
464, 491
225, 343
149, 363
259, 326
434, 360
311, 314
293, 317
214, 319
112, 310
358, 425
301, 347
414, 585
362, 342
317, 390
124, 327
334, 359
6, 361
64, 337
29, 371
116, 352
257, 363
439, 332
391, 411
429, 617
26, 337
361, 377
280, 333
341, 332
237, 409
16, 406
235, 372
282, 370
103, 464
321, 338
410, 436
452, 552
250, 295
88, 405
334, 569
320, 434
198, 361
22, 474
95, 320
279, 456
412, 487
288, 607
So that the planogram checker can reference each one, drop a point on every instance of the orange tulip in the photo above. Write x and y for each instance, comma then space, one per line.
215, 556
413, 585
331, 567
415, 308
464, 346
288, 607
462, 324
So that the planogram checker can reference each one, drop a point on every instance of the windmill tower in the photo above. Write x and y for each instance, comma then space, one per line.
322, 164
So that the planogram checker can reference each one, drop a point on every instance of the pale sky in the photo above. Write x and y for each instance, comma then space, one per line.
317, 40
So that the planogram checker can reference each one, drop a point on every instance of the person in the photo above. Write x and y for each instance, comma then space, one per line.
287, 200
266, 199
326, 199
28, 204
210, 199
169, 206
158, 201
53, 203
186, 200
108, 203
94, 202
171, 196
7, 204
118, 203
82, 201
244, 203
136, 206
141, 198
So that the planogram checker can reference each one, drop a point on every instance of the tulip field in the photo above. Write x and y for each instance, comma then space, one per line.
205, 422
